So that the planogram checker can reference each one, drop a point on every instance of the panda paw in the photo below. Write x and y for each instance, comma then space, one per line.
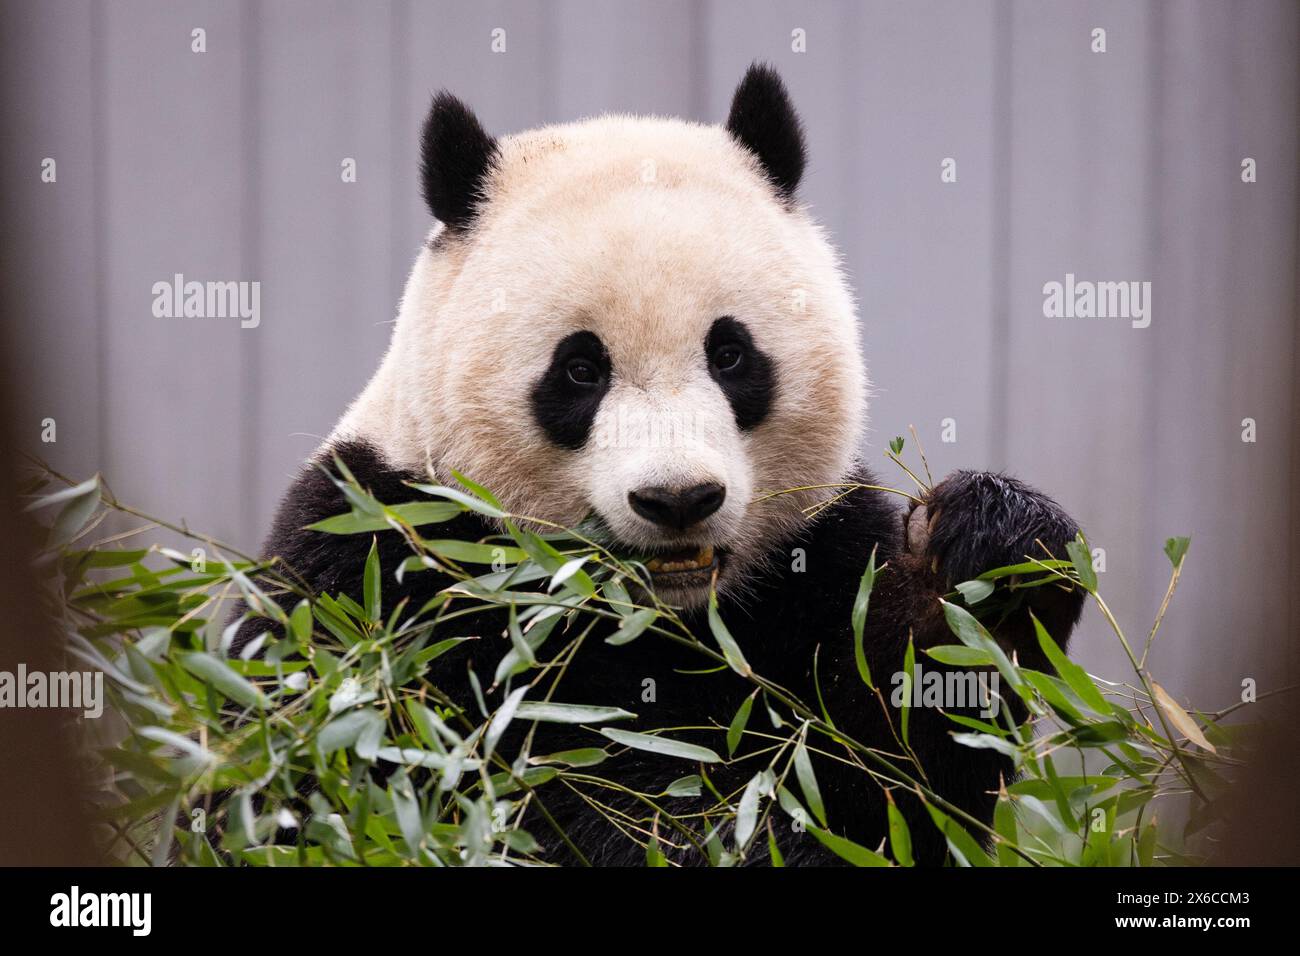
974, 521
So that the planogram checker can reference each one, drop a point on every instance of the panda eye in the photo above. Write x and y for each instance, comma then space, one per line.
582, 372
727, 358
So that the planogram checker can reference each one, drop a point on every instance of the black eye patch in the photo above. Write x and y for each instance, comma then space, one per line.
744, 373
567, 397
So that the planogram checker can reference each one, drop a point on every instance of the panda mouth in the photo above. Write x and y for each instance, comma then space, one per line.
686, 573
690, 560
683, 570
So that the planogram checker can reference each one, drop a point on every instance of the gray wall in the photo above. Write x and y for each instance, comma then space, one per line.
1115, 166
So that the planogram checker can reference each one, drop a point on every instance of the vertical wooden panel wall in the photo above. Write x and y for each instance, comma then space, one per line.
1115, 166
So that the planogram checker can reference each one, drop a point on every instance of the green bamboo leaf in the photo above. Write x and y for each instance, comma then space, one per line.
730, 649
427, 725
469, 501
581, 757
1027, 567
961, 844
1082, 560
1176, 550
504, 783
738, 724
1004, 823
859, 618
633, 626
73, 517
1146, 844
477, 489
959, 655
616, 594
517, 641
519, 659
198, 754
1058, 792
972, 633
406, 808
747, 812
653, 855
1075, 677
578, 581
900, 837
368, 740
413, 514
372, 582
221, 678
106, 558
803, 769
501, 720
1093, 735
846, 849
773, 850
475, 552
986, 742
975, 591
909, 682
688, 786
1041, 810
1054, 692
344, 730
554, 713
166, 832
661, 745
300, 622
87, 487
541, 551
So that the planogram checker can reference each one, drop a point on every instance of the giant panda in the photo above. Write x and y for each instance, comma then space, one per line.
623, 269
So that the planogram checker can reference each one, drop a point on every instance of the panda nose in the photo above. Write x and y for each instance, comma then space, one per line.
677, 509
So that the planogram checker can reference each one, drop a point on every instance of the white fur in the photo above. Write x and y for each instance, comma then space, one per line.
643, 231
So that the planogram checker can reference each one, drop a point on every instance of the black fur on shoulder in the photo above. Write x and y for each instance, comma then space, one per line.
334, 563
456, 155
764, 121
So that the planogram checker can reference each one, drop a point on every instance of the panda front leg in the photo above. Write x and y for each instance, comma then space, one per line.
969, 523
972, 522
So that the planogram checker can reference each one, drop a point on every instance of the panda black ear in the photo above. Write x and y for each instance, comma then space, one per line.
456, 155
763, 120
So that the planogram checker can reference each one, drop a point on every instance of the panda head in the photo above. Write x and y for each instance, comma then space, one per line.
628, 322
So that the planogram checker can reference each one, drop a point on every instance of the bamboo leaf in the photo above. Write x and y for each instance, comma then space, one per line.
803, 770
1180, 718
847, 849
859, 618
549, 712
975, 591
221, 678
1075, 677
633, 626
730, 649
661, 745
900, 837
1081, 557
372, 582
738, 724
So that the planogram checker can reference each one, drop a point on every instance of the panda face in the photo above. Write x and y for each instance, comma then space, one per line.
637, 329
